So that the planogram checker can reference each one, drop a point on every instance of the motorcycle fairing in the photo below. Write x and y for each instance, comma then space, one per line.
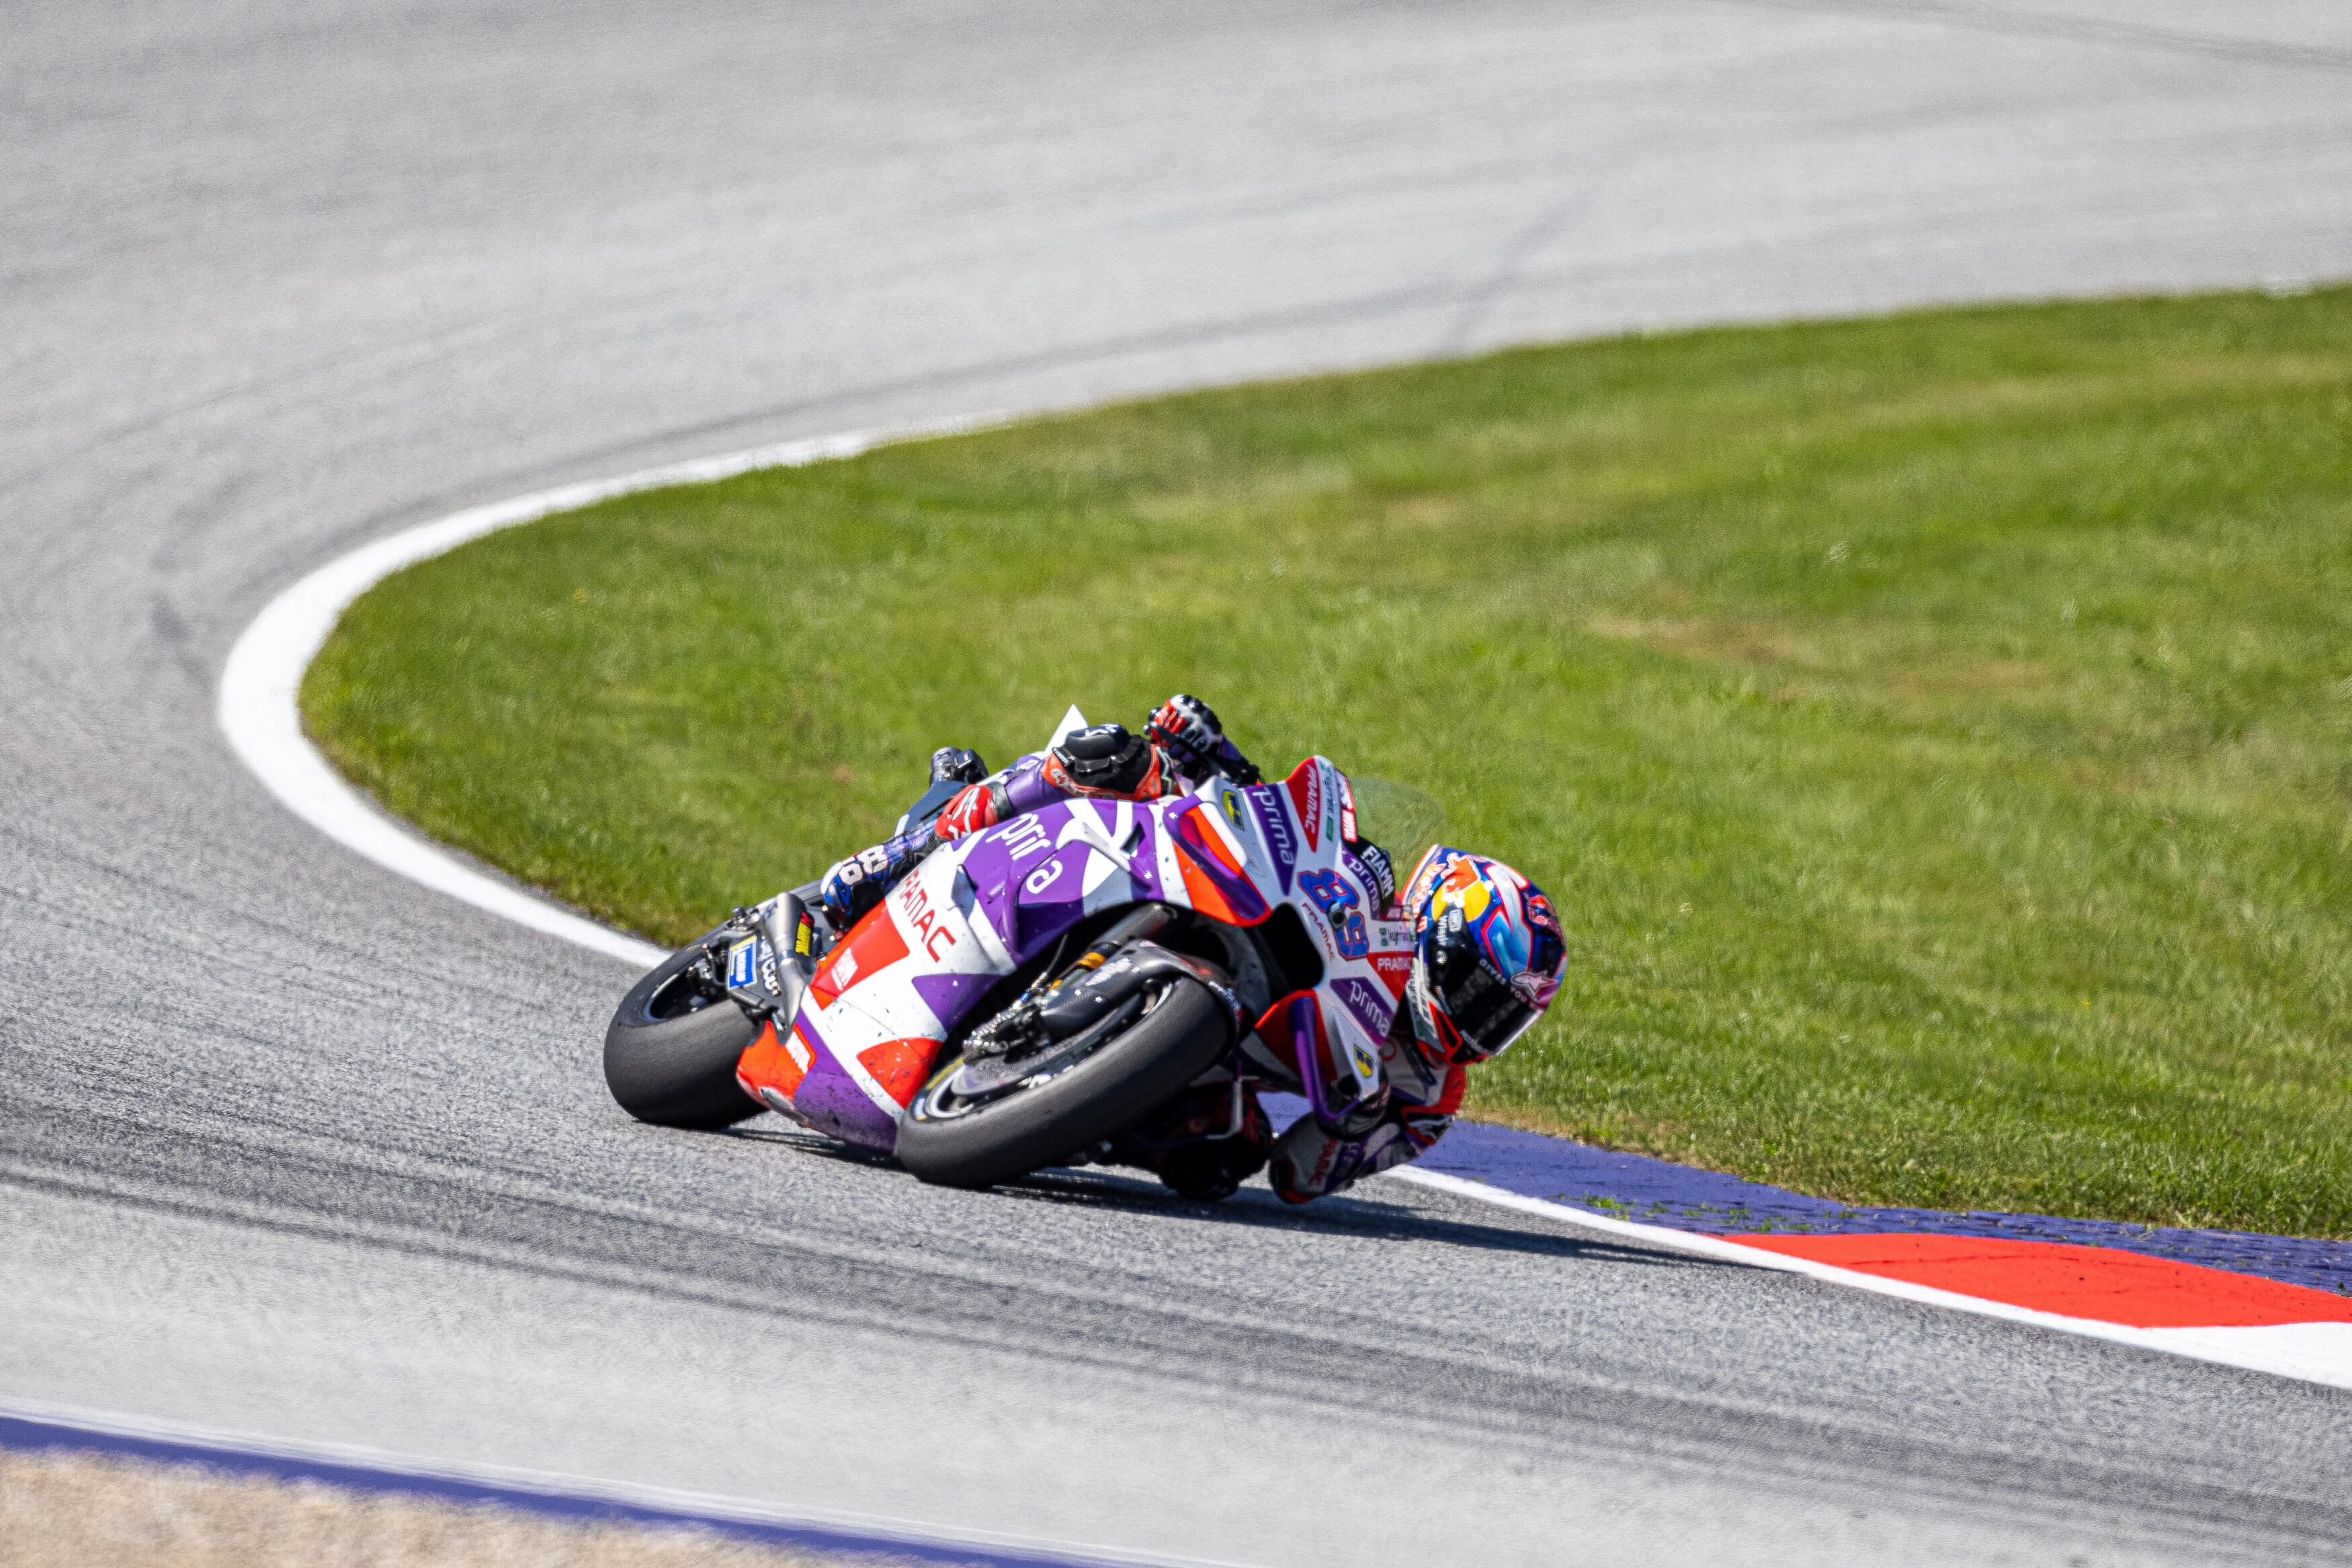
1336, 1068
1034, 877
875, 1013
1214, 862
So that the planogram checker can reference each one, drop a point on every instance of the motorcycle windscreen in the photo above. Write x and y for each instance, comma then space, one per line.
1399, 818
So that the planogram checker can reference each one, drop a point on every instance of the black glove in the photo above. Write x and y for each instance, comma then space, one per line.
960, 764
1189, 729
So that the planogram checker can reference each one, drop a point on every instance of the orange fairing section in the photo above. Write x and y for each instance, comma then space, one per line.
772, 1061
1212, 840
873, 944
1277, 1016
900, 1066
1205, 895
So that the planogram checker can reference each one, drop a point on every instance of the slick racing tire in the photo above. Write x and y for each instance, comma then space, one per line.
670, 1054
953, 1142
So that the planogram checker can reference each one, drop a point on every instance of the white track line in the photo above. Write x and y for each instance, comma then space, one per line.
260, 712
260, 688
2314, 1353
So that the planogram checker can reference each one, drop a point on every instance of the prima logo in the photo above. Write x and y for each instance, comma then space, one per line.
1372, 1009
1024, 836
1279, 840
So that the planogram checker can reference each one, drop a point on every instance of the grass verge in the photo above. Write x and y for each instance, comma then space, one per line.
1934, 729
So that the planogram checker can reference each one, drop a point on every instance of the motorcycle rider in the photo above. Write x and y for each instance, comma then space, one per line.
1181, 747
1488, 954
1487, 958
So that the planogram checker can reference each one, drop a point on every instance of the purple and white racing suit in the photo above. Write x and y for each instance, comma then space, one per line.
1416, 1102
1419, 1095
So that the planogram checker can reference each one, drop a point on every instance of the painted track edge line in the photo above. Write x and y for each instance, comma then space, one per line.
259, 712
258, 706
33, 1425
2323, 1358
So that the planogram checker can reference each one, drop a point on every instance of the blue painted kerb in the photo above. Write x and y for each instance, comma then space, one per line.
1657, 1192
32, 1434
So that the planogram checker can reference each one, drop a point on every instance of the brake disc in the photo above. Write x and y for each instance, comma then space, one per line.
990, 1075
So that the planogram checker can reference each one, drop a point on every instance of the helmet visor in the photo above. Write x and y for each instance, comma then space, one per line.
1483, 1006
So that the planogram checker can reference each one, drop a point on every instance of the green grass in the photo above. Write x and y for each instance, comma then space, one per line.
1934, 730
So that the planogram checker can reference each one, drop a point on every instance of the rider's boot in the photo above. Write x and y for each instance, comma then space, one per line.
1182, 1148
859, 883
957, 765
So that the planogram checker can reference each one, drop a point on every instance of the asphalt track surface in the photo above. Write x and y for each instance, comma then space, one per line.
290, 1145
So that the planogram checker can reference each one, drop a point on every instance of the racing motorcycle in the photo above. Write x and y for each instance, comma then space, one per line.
1041, 992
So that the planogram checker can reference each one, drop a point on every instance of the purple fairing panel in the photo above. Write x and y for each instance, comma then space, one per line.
950, 995
1271, 806
1302, 1022
830, 1102
1051, 900
1331, 1092
1034, 877
994, 867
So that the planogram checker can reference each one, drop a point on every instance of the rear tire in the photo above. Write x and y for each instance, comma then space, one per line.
670, 1052
969, 1144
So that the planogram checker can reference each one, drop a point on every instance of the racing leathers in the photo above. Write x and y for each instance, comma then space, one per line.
1187, 1145
1414, 1105
1181, 747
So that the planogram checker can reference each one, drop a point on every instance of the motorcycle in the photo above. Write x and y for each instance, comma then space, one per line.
1037, 993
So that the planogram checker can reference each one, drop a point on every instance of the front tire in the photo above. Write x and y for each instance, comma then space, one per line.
950, 1142
670, 1052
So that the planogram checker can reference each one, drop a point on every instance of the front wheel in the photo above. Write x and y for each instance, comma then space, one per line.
670, 1052
950, 1141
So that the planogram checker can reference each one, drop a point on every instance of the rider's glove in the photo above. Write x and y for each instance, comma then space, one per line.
959, 763
1188, 728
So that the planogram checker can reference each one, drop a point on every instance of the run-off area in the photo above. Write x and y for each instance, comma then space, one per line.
1930, 726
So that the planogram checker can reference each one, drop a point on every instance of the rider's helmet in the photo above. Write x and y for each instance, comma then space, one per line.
1488, 954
